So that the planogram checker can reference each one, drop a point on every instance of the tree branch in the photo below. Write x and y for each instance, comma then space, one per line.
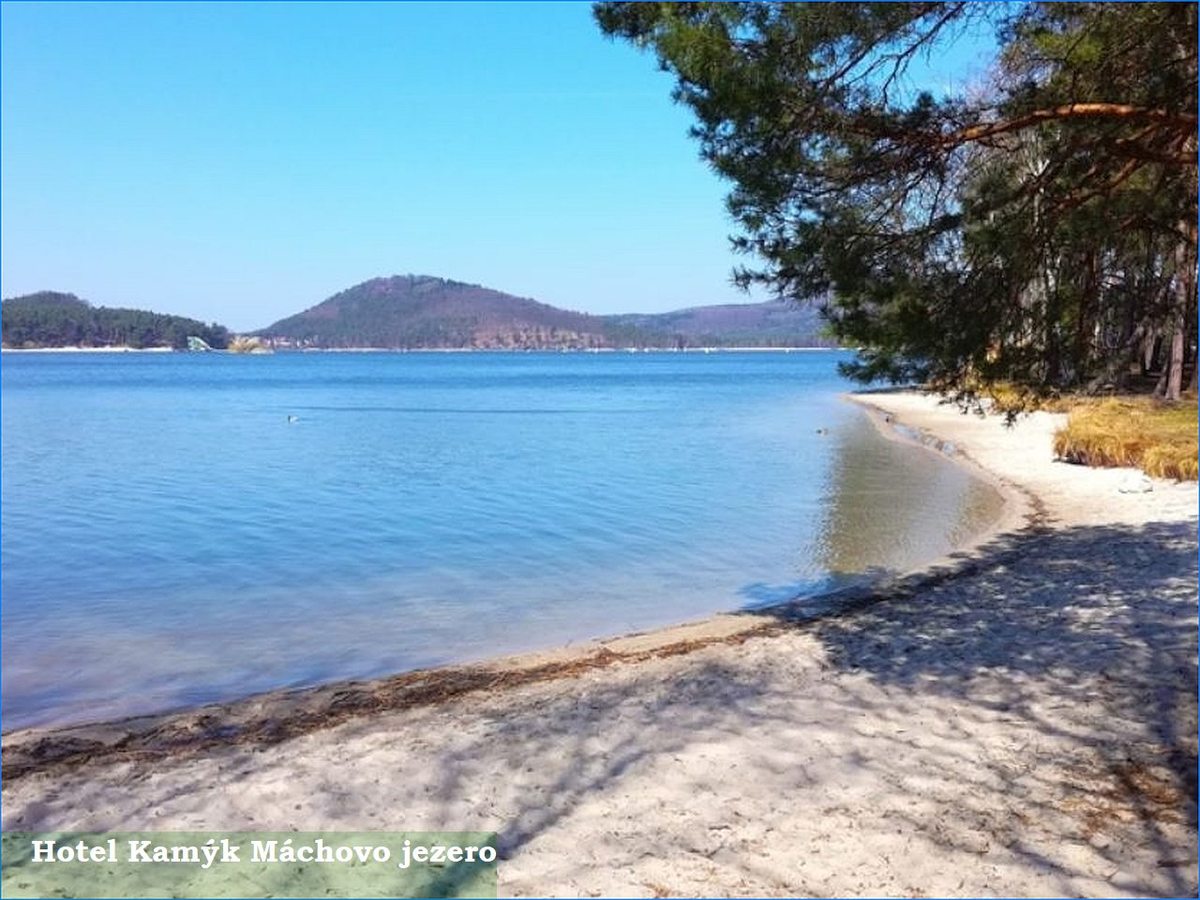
1177, 121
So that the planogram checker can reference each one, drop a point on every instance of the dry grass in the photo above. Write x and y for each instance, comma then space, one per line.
1006, 397
1159, 438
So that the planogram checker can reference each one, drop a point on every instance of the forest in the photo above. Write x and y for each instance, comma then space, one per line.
50, 319
1035, 231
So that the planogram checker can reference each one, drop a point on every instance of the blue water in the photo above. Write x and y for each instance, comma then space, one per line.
169, 537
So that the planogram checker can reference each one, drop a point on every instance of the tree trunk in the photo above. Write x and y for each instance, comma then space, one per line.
1185, 278
1174, 388
1149, 344
1084, 325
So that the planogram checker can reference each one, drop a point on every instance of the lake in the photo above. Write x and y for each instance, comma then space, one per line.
185, 528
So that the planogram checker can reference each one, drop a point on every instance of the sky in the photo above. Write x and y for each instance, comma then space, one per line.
240, 162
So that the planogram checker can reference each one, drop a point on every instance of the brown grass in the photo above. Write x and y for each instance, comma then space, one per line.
1158, 438
1006, 397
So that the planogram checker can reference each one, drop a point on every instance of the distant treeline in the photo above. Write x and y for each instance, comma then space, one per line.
49, 319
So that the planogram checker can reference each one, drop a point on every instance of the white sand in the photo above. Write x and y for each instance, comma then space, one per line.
1025, 728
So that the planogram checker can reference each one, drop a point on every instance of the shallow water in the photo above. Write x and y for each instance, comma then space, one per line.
171, 537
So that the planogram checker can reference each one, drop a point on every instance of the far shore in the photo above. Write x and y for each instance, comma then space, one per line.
87, 349
434, 350
557, 349
1018, 718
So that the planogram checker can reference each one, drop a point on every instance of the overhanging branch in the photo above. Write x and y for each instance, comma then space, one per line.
1183, 122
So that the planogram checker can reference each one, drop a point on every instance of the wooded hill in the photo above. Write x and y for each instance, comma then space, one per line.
419, 312
51, 319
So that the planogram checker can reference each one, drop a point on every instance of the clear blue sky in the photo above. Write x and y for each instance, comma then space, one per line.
240, 162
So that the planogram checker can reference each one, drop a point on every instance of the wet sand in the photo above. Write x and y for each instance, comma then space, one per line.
1019, 720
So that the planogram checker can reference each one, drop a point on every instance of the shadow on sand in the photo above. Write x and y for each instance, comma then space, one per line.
1076, 649
1052, 674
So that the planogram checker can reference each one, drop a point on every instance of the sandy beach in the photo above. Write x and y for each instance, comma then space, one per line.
1016, 720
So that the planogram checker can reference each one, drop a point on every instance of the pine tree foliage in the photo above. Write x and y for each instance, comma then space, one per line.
1039, 231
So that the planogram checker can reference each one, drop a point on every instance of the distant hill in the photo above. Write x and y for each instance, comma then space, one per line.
412, 311
419, 311
51, 319
774, 323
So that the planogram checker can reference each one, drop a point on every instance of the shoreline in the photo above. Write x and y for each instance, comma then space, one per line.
1021, 507
265, 717
1019, 722
90, 350
721, 349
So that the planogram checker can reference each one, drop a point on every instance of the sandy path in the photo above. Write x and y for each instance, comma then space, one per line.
1028, 728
